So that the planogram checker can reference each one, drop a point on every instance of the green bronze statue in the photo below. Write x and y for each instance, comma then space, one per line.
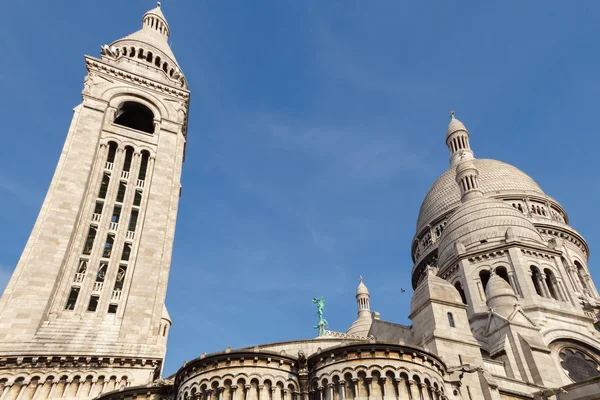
320, 302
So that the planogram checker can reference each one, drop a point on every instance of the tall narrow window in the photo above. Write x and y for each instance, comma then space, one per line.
143, 165
126, 252
120, 277
101, 272
99, 207
72, 300
485, 277
116, 214
137, 200
89, 242
112, 309
104, 186
121, 192
451, 320
93, 303
551, 283
112, 150
110, 240
128, 157
133, 220
536, 278
581, 274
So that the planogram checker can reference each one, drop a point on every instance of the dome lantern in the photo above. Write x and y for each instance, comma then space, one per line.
457, 140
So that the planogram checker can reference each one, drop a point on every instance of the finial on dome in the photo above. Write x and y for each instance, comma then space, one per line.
452, 112
360, 278
158, 4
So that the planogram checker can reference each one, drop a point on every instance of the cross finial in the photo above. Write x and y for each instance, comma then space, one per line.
361, 278
158, 4
452, 114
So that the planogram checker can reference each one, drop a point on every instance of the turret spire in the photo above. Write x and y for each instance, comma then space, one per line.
457, 140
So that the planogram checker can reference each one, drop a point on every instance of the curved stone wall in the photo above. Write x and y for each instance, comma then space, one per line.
376, 372
240, 375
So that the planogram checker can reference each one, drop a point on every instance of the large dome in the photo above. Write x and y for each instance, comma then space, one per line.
495, 177
484, 220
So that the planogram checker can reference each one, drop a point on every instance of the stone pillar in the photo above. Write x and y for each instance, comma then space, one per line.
414, 390
67, 386
342, 389
79, 386
246, 392
383, 380
92, 387
320, 389
424, 392
369, 383
52, 389
356, 388
331, 387
5, 390
401, 388
234, 392
209, 394
21, 390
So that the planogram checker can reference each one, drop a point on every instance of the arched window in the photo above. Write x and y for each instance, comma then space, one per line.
502, 273
128, 157
143, 165
135, 116
536, 278
581, 274
551, 283
451, 320
460, 290
485, 277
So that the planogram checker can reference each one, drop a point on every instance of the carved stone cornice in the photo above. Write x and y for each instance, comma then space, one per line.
93, 64
75, 362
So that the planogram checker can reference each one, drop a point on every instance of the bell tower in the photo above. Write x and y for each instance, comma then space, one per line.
84, 310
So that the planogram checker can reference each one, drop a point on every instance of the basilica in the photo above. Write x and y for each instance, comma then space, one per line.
503, 306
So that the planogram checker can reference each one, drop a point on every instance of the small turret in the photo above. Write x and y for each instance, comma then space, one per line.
500, 295
457, 140
362, 324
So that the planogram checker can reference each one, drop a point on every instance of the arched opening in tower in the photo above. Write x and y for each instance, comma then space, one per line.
135, 116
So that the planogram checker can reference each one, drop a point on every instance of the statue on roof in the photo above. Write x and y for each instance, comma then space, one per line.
320, 302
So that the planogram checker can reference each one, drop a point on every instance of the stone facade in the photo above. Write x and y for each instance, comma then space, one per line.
84, 310
504, 306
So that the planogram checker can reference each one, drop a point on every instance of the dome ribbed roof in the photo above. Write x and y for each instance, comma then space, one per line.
494, 177
481, 220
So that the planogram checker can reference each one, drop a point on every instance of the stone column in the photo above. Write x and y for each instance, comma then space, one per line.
356, 388
246, 392
92, 386
67, 386
209, 394
401, 388
424, 392
342, 390
383, 380
37, 389
5, 390
21, 390
320, 389
234, 393
220, 391
52, 389
414, 390
330, 386
542, 283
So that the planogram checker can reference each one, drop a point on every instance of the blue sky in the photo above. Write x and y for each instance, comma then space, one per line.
316, 128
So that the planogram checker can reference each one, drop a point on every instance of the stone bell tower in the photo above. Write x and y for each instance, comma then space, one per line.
84, 310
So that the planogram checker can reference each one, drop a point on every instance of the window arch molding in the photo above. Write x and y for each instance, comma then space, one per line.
119, 95
137, 149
